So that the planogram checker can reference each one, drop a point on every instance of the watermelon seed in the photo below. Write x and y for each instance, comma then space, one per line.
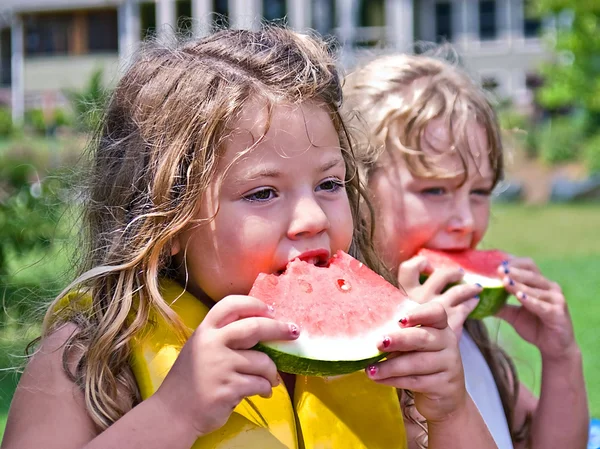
305, 286
343, 285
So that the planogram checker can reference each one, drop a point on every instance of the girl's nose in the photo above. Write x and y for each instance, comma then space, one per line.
461, 217
308, 218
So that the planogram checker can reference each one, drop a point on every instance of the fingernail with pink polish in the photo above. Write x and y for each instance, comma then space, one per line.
403, 321
294, 330
387, 341
372, 370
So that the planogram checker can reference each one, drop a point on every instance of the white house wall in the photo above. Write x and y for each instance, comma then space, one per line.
510, 51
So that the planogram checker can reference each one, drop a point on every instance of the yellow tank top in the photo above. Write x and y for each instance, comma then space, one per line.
345, 412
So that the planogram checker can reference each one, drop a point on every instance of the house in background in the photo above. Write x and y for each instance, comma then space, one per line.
47, 46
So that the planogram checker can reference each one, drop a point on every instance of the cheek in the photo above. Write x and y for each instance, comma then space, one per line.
482, 219
342, 225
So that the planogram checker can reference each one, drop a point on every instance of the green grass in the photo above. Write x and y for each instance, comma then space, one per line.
564, 240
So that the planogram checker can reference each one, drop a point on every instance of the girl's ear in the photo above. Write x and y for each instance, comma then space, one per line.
175, 245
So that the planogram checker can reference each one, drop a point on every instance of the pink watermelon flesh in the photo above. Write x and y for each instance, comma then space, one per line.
482, 262
342, 310
480, 266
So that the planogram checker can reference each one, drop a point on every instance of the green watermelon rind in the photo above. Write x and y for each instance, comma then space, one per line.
491, 299
293, 364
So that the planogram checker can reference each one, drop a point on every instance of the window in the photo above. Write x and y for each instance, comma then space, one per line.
148, 19
532, 27
487, 20
490, 83
533, 81
5, 52
103, 34
48, 34
323, 16
531, 24
443, 21
221, 10
183, 14
372, 13
274, 10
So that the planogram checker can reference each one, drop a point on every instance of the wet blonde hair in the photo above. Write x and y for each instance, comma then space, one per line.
154, 156
391, 100
397, 96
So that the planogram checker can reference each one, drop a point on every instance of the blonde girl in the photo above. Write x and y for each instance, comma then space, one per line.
432, 153
218, 159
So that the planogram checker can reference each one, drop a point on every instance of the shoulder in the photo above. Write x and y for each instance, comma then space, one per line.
48, 400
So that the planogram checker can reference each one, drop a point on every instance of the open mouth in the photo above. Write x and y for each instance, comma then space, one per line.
318, 258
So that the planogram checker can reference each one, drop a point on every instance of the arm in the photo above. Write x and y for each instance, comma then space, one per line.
48, 410
473, 431
213, 373
444, 434
560, 418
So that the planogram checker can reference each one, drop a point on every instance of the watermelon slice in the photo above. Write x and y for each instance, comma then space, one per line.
480, 268
343, 311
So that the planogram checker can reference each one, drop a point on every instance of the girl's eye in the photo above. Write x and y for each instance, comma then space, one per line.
481, 192
435, 191
331, 185
260, 195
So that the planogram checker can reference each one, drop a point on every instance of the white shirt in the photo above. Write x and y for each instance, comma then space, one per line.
482, 388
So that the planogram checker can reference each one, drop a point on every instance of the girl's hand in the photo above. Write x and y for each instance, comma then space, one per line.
216, 368
459, 300
543, 318
424, 359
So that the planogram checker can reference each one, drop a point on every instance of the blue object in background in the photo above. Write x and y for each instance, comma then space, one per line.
594, 442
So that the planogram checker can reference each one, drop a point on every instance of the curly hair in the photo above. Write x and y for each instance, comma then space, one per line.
153, 157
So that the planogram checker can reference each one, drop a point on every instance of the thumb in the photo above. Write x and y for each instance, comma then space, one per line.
509, 313
457, 318
468, 306
410, 270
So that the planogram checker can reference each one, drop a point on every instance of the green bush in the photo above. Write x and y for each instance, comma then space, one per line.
591, 154
62, 117
89, 103
34, 119
32, 199
559, 139
6, 125
510, 119
517, 129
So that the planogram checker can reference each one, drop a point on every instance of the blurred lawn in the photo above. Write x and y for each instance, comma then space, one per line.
563, 239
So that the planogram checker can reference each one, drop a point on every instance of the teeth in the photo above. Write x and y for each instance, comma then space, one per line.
312, 260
